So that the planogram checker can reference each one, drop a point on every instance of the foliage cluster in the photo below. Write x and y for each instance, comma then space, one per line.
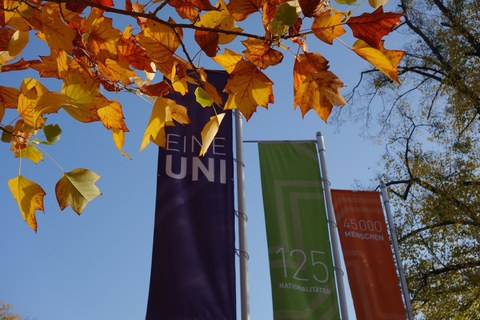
92, 60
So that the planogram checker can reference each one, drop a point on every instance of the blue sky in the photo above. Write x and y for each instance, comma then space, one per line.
97, 265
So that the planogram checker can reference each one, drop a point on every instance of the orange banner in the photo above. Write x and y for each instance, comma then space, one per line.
368, 255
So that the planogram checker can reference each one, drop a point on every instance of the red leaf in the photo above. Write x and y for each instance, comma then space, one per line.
371, 27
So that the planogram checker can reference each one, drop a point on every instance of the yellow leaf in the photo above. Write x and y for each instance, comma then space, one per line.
57, 34
377, 3
85, 100
29, 197
384, 60
179, 82
209, 131
30, 91
49, 102
159, 40
261, 54
228, 60
327, 27
76, 189
119, 139
248, 88
314, 86
18, 41
159, 119
29, 152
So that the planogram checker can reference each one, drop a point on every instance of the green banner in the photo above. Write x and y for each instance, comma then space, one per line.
301, 268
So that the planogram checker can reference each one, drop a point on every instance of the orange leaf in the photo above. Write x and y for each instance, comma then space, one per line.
384, 60
116, 71
57, 34
102, 38
248, 88
371, 27
29, 197
241, 9
159, 40
9, 97
327, 27
136, 55
112, 116
313, 8
261, 54
314, 86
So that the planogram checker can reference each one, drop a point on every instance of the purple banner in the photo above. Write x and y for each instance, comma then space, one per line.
193, 261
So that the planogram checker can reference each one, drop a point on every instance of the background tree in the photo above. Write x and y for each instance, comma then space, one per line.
431, 128
6, 312
96, 54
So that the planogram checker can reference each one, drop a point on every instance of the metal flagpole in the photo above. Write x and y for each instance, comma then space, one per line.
242, 219
393, 234
332, 225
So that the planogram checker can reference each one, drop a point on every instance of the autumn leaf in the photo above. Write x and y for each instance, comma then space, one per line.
209, 132
49, 102
102, 38
136, 55
159, 40
314, 86
377, 3
163, 113
248, 88
241, 9
29, 197
9, 97
178, 79
384, 60
84, 98
113, 119
209, 40
346, 1
30, 91
202, 97
29, 152
52, 133
18, 41
371, 27
327, 26
116, 71
228, 60
261, 54
57, 34
76, 189
313, 8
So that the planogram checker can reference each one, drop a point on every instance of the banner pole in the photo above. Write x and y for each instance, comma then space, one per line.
401, 272
332, 225
242, 219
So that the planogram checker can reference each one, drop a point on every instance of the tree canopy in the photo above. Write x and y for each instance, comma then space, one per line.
100, 47
432, 132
